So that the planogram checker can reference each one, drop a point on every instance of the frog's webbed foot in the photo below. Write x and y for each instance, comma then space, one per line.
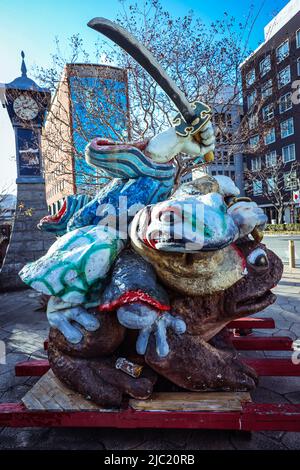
139, 316
68, 321
103, 341
98, 379
195, 365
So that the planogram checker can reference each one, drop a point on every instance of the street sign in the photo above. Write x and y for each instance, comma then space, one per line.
296, 197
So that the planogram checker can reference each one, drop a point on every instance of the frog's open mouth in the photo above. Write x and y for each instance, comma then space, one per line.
54, 218
255, 303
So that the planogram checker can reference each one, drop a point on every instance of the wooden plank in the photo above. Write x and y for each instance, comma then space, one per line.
44, 396
50, 394
192, 401
253, 417
249, 322
262, 343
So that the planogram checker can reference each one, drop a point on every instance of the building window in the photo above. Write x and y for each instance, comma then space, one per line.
288, 153
285, 103
256, 164
253, 141
250, 77
251, 99
287, 128
268, 112
284, 77
270, 185
271, 158
257, 187
266, 89
265, 65
282, 51
298, 66
290, 180
269, 136
253, 121
298, 38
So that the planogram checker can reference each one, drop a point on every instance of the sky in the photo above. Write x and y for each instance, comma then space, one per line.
32, 25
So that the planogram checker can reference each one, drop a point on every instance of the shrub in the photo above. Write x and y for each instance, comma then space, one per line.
282, 228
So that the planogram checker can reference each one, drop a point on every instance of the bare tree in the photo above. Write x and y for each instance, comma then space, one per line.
5, 193
201, 58
275, 183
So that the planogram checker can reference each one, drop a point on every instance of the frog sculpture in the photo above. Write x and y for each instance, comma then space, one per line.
129, 315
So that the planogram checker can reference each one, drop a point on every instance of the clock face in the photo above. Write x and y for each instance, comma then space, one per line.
25, 107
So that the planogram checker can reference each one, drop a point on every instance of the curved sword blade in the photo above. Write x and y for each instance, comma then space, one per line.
144, 57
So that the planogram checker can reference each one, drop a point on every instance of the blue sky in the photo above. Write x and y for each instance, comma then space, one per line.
32, 25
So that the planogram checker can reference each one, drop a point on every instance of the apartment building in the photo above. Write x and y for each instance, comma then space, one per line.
271, 105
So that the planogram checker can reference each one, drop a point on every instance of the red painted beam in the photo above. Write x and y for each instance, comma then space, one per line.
253, 417
16, 415
271, 417
274, 367
262, 343
34, 368
249, 322
265, 367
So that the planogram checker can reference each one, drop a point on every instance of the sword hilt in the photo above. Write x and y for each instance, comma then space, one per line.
208, 157
202, 114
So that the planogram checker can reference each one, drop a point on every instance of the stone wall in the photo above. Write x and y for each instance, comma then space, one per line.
27, 243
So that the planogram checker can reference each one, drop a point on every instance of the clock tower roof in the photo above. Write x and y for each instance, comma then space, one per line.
23, 82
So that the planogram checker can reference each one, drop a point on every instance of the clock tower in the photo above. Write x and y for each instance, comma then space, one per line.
26, 104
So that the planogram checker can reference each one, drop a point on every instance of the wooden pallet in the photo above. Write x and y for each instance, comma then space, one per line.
51, 404
49, 394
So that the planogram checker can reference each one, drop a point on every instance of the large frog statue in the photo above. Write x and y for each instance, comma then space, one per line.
129, 316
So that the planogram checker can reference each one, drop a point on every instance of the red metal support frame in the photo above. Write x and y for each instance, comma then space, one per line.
274, 367
252, 322
266, 367
252, 417
262, 343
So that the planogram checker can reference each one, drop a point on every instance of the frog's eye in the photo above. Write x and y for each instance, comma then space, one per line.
170, 215
258, 259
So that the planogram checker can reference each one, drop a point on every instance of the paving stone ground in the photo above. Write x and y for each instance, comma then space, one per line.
23, 329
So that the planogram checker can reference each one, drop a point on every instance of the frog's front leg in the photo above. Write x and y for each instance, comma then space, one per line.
68, 319
148, 320
89, 367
